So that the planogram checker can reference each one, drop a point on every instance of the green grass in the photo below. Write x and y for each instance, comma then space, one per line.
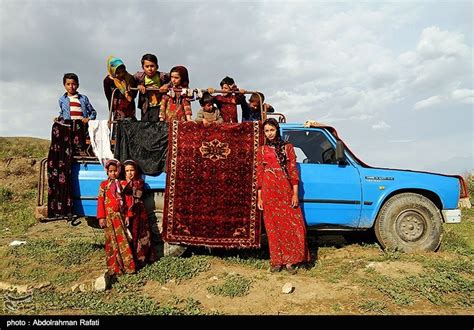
251, 262
59, 262
443, 283
100, 303
234, 285
23, 147
373, 307
175, 268
16, 213
69, 253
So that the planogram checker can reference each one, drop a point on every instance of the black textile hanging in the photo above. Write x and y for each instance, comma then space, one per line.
144, 142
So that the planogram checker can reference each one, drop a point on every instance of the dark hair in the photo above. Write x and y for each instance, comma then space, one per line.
183, 74
277, 143
72, 76
227, 81
254, 97
206, 99
273, 122
151, 58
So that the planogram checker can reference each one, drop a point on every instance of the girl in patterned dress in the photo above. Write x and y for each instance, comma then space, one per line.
110, 208
136, 217
277, 180
176, 105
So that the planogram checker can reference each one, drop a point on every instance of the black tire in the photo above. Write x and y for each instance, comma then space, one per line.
409, 222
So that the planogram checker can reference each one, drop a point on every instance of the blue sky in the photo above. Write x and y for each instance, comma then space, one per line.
395, 78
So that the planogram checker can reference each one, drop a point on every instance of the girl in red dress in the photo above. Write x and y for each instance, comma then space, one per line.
175, 105
136, 217
277, 180
110, 207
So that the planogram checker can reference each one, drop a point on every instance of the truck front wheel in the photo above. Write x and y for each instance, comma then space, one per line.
409, 222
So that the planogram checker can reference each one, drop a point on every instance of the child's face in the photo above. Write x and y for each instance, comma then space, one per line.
112, 172
208, 107
150, 68
270, 132
255, 105
129, 172
175, 79
71, 86
227, 88
120, 73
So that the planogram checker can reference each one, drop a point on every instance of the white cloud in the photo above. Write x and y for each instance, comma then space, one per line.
381, 125
360, 65
463, 96
429, 102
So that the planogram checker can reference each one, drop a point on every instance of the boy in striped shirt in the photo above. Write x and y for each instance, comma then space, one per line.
73, 105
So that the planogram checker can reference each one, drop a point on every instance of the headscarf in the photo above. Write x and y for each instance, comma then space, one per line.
130, 162
277, 143
112, 64
133, 163
115, 187
183, 73
113, 162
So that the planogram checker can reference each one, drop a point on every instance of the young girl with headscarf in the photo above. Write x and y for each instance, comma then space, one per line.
136, 216
110, 210
277, 181
123, 105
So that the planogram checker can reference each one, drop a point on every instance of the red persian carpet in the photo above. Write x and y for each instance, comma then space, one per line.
211, 188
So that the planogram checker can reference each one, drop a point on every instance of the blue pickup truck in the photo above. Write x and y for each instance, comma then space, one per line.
338, 192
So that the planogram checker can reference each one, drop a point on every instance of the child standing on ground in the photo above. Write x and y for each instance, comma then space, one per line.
136, 217
110, 208
227, 102
73, 105
208, 114
156, 82
123, 100
176, 105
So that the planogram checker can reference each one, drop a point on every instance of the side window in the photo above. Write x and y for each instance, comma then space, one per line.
311, 147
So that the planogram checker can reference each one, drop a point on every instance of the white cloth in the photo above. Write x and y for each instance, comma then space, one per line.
99, 133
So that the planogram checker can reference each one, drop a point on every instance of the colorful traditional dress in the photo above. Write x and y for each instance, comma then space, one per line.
117, 248
227, 104
284, 224
175, 108
142, 249
121, 107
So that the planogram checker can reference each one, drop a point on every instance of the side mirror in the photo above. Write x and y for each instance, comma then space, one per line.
340, 158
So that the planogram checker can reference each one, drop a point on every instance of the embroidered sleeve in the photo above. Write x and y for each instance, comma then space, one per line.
101, 201
292, 170
187, 107
260, 167
163, 104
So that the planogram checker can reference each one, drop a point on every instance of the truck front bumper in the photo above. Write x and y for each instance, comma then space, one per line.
452, 216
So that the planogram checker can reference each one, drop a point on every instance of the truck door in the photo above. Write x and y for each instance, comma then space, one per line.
330, 194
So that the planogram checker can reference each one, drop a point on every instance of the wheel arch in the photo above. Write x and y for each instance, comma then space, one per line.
432, 196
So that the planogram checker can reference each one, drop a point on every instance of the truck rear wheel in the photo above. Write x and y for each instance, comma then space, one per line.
409, 222
154, 204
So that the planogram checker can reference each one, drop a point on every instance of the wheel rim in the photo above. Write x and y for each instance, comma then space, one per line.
411, 225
